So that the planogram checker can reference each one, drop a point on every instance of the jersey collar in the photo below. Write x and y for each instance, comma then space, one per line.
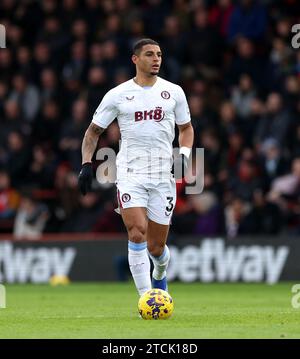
147, 87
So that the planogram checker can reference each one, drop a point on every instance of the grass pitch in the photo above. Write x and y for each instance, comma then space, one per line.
109, 310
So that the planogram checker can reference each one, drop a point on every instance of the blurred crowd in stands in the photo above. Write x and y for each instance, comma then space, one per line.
241, 75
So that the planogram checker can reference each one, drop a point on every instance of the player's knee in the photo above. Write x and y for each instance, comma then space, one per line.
156, 250
136, 233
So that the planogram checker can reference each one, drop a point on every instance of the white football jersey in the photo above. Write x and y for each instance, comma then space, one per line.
146, 118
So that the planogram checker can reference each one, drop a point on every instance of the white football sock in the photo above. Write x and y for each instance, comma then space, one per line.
139, 265
160, 264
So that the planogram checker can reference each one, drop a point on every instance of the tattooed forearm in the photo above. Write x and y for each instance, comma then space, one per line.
90, 141
95, 129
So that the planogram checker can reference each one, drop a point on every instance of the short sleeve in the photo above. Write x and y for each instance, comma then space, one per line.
182, 112
106, 112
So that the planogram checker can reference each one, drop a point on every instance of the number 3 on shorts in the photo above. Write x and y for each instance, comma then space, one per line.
171, 205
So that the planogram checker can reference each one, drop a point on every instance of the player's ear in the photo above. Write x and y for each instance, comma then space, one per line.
134, 58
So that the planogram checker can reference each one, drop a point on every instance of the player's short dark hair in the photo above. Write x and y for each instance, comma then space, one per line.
140, 43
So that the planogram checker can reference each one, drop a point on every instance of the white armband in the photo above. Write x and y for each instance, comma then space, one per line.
186, 151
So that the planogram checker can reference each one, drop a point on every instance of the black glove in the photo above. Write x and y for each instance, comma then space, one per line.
85, 178
180, 165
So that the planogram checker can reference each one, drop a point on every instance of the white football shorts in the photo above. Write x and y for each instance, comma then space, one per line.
159, 198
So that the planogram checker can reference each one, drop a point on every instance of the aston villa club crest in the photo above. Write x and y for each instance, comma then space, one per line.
165, 94
126, 197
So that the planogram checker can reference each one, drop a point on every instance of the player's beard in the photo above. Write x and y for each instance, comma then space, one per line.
152, 73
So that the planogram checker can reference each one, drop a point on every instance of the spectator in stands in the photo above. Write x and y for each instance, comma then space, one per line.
84, 219
273, 163
291, 93
3, 96
173, 44
120, 76
235, 215
77, 65
57, 39
211, 142
295, 141
24, 62
242, 96
209, 221
136, 31
201, 114
27, 97
245, 180
246, 61
40, 173
17, 158
109, 221
288, 184
127, 12
31, 218
12, 120
80, 30
42, 59
264, 218
154, 14
275, 123
280, 62
228, 120
72, 87
112, 30
72, 134
285, 193
248, 19
200, 215
204, 46
93, 14
96, 88
283, 28
219, 16
9, 197
249, 125
66, 186
234, 150
111, 59
71, 11
196, 105
6, 65
297, 65
50, 89
47, 122
95, 54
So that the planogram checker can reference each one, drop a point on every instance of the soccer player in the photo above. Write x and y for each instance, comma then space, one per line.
147, 108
